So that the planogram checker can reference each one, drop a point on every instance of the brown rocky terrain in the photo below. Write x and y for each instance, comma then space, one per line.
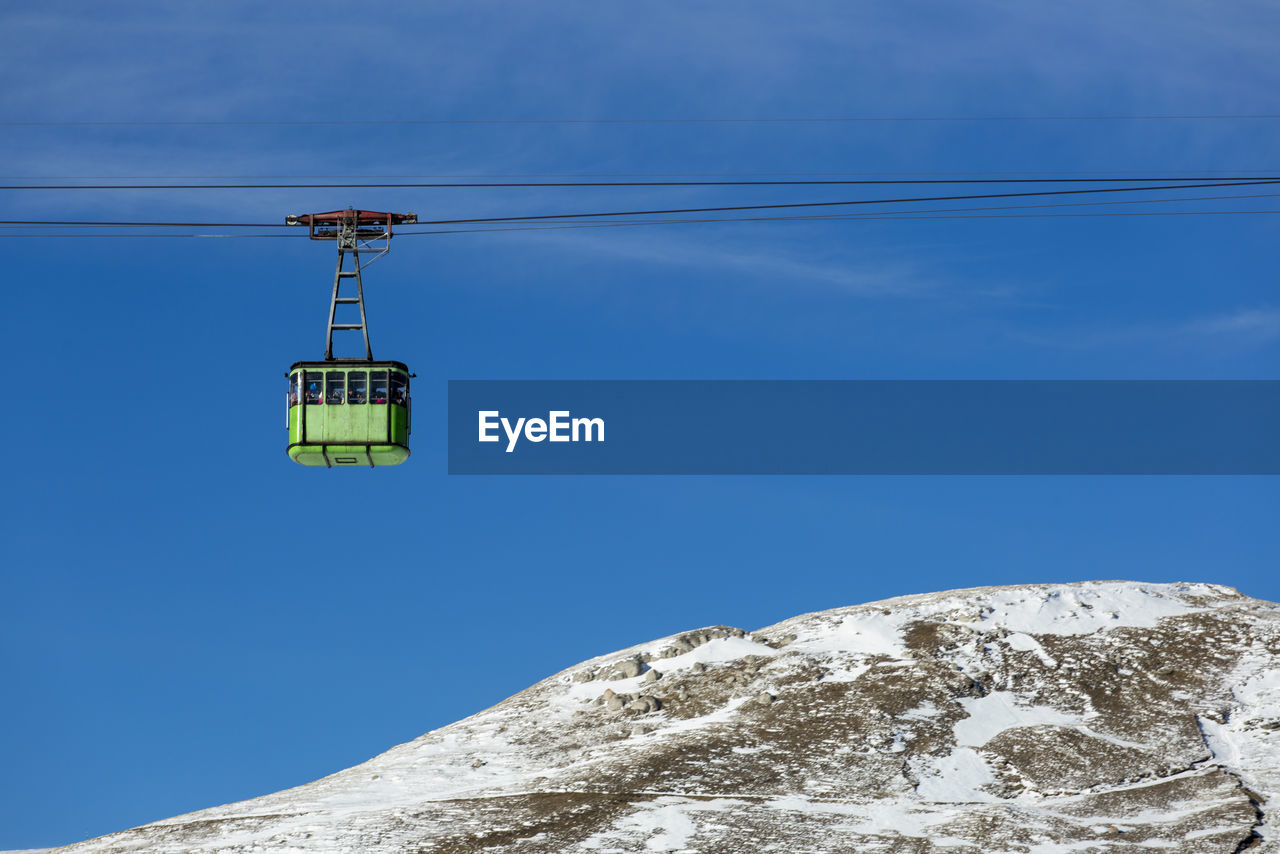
1093, 717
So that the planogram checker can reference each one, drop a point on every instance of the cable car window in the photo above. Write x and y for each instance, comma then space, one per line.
312, 393
295, 382
334, 390
378, 379
356, 388
399, 388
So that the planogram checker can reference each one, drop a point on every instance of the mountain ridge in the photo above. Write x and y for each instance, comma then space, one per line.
1041, 718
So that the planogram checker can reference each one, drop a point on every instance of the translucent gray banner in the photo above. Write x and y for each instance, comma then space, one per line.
864, 427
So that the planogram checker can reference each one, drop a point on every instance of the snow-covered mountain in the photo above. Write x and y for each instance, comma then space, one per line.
1094, 717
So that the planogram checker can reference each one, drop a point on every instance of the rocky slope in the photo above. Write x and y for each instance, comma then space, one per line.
1095, 717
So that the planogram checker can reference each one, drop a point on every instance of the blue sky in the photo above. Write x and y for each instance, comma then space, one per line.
186, 618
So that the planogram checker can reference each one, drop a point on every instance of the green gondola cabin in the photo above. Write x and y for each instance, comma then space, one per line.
348, 413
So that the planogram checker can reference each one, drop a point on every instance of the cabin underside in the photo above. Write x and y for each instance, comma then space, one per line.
331, 456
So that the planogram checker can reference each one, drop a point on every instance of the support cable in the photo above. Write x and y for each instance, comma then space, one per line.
715, 209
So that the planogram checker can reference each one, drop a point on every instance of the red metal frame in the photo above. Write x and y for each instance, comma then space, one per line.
350, 217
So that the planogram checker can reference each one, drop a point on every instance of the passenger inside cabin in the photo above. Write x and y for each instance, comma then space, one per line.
335, 389
398, 391
356, 388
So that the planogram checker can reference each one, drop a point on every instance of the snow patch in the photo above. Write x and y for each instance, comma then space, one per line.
666, 727
1084, 609
1263, 689
957, 778
844, 672
716, 651
1000, 710
1246, 742
861, 634
1218, 738
1022, 642
871, 819
924, 712
664, 825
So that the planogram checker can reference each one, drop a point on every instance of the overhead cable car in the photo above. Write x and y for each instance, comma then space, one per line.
349, 411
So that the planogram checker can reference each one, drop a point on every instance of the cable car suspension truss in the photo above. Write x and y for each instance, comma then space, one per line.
353, 230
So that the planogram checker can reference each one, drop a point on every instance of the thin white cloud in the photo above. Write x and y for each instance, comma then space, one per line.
1259, 324
764, 262
1242, 328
